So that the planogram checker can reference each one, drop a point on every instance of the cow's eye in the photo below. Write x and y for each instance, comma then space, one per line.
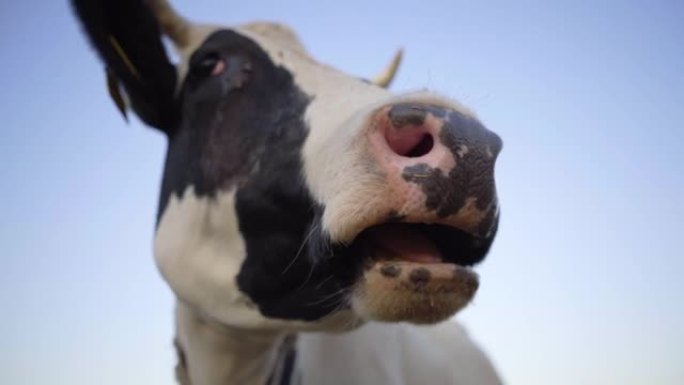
210, 64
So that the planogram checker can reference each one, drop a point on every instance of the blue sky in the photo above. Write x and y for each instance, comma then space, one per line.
583, 284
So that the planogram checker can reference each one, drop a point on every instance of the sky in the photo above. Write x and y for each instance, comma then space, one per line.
583, 284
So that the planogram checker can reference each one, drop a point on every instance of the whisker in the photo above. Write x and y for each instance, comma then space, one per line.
308, 278
329, 297
318, 287
301, 248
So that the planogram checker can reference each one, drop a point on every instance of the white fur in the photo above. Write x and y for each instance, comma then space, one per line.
219, 355
199, 251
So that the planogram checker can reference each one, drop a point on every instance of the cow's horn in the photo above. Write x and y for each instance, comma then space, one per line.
172, 24
385, 78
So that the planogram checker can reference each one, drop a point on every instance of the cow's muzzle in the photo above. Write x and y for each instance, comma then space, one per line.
441, 212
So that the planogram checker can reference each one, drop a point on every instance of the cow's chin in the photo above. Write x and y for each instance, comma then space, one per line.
412, 273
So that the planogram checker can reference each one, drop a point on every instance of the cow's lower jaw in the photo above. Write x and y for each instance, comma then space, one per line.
420, 293
413, 272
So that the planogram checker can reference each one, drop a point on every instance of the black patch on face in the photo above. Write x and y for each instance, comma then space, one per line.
244, 128
228, 119
292, 271
420, 276
390, 270
473, 175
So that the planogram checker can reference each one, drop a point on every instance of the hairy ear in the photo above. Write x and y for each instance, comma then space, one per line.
127, 38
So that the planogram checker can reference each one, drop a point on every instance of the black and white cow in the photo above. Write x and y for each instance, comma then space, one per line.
308, 219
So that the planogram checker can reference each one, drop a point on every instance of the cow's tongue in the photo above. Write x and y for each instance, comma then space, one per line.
393, 242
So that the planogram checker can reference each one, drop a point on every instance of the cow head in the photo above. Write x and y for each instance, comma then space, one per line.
294, 194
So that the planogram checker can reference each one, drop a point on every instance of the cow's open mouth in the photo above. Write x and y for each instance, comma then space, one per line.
416, 272
420, 243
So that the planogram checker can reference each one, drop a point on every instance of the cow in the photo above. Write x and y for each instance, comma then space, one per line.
313, 227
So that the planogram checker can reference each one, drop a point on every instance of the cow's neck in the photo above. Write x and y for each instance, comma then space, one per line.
212, 354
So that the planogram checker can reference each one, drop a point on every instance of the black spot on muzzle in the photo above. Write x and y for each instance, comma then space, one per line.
475, 150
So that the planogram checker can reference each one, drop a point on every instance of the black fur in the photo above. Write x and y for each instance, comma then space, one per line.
133, 27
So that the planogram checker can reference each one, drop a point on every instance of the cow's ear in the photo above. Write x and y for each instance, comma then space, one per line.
128, 39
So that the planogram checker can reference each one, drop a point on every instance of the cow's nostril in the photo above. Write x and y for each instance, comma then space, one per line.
423, 147
411, 142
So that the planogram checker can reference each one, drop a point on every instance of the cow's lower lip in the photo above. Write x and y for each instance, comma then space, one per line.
421, 293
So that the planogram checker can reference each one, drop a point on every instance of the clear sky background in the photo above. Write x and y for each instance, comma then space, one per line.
583, 286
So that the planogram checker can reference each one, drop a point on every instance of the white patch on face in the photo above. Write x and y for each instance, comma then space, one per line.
199, 251
279, 34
